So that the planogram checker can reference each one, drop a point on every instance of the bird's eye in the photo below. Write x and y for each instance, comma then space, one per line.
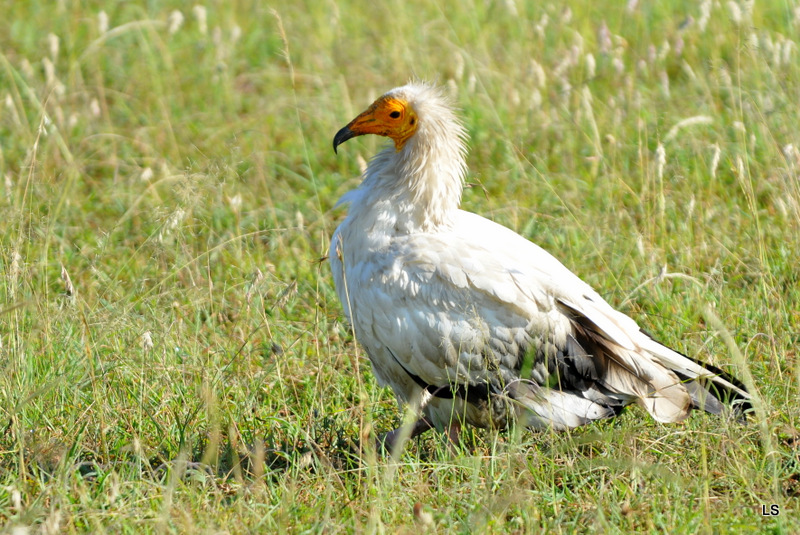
395, 114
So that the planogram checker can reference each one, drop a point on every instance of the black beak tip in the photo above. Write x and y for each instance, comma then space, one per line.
341, 136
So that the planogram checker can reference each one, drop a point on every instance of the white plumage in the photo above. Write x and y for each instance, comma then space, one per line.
470, 322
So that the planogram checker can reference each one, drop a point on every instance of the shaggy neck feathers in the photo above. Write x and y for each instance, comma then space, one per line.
418, 188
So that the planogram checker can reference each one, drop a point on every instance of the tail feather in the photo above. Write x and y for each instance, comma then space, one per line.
702, 399
636, 374
710, 387
666, 383
656, 389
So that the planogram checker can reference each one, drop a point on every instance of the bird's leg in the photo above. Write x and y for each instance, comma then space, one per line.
388, 441
453, 433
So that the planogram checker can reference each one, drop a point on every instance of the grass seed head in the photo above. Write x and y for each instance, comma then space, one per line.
590, 65
147, 342
734, 12
175, 21
53, 43
201, 14
705, 15
661, 160
715, 160
102, 22
69, 288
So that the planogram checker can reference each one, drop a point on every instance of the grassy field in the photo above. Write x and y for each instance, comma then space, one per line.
173, 357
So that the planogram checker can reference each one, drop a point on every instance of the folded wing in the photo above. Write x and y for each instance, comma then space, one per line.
481, 308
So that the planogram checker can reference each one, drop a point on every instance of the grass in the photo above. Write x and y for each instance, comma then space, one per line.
173, 355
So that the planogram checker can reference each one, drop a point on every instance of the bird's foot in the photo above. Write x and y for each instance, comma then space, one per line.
397, 437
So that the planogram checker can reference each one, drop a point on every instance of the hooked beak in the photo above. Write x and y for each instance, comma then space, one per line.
341, 136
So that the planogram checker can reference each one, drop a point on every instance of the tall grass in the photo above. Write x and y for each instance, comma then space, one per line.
173, 356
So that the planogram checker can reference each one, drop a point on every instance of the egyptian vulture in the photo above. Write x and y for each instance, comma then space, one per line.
469, 322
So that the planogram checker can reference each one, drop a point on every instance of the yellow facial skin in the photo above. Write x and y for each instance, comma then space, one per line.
388, 116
